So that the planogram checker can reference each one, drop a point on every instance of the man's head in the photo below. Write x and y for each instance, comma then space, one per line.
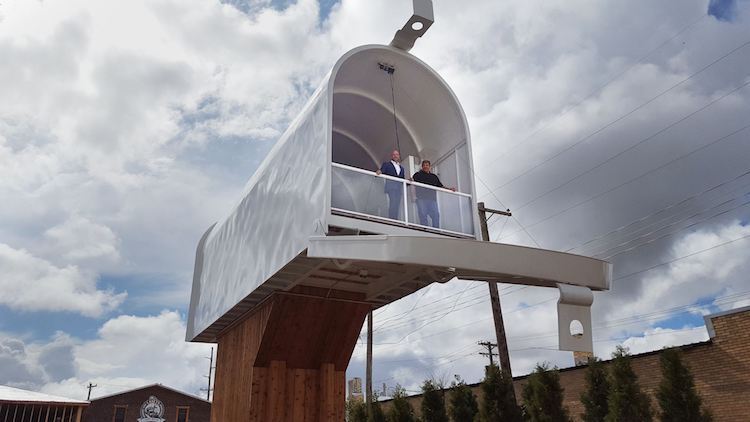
426, 166
396, 156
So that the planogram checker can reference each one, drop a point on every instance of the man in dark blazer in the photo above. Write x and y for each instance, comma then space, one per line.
394, 190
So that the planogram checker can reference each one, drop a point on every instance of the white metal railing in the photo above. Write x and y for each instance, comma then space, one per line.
365, 194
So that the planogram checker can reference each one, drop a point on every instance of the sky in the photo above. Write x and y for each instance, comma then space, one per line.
127, 128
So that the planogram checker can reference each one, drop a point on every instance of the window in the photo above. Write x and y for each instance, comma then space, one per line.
182, 413
120, 413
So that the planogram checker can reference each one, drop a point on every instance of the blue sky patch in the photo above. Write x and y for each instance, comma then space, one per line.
250, 6
42, 325
723, 10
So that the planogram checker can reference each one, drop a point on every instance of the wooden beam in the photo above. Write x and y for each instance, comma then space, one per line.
497, 313
287, 360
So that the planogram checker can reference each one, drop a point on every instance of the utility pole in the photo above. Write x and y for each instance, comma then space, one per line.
211, 367
497, 314
368, 374
489, 345
90, 386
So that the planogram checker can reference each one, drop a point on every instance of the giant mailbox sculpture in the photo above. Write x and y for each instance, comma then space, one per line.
284, 282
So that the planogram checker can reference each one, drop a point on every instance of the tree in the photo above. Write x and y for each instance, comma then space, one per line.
433, 402
377, 412
595, 397
499, 403
356, 410
543, 396
678, 400
401, 410
463, 404
627, 403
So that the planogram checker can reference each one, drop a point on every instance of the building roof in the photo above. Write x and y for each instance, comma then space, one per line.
709, 318
149, 386
17, 395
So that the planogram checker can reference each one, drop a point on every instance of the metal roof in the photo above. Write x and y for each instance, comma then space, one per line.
17, 395
150, 386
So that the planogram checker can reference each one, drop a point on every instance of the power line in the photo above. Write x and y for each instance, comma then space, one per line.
616, 279
448, 356
730, 298
601, 87
469, 303
651, 316
607, 257
643, 141
410, 312
720, 139
639, 220
521, 308
624, 116
613, 339
681, 258
619, 322
491, 192
427, 310
609, 249
512, 216
648, 316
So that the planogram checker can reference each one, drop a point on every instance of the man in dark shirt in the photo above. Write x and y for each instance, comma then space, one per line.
427, 198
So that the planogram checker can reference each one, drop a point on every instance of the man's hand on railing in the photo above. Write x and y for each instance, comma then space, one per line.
378, 172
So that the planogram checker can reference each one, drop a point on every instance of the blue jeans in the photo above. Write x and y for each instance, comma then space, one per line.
428, 208
394, 203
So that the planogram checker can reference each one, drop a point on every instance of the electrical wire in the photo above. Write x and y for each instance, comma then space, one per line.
601, 87
643, 141
673, 205
564, 112
624, 116
467, 303
579, 203
612, 255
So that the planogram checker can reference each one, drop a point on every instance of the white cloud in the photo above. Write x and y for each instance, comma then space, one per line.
128, 352
718, 272
30, 283
81, 240
132, 351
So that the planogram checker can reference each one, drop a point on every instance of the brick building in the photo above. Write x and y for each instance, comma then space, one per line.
152, 403
720, 366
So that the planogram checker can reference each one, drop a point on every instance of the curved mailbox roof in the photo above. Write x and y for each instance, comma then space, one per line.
349, 119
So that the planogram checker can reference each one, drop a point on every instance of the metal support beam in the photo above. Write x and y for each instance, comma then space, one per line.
416, 26
574, 318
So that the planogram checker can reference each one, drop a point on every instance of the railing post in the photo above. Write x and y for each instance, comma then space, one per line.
406, 204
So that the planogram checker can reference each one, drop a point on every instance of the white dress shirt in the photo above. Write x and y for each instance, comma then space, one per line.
397, 166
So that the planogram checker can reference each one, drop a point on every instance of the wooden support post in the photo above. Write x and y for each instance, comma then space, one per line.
497, 314
368, 372
287, 360
276, 391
